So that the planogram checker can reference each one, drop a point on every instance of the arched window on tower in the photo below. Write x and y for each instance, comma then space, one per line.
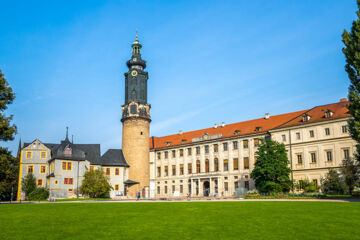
133, 109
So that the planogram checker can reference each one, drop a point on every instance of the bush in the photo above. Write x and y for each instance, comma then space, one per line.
38, 194
271, 187
356, 192
332, 183
311, 188
28, 184
96, 184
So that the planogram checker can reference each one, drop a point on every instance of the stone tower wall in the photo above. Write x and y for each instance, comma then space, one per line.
135, 146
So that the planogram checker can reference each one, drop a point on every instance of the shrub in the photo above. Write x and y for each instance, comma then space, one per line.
28, 184
356, 192
271, 187
38, 194
332, 183
96, 184
311, 188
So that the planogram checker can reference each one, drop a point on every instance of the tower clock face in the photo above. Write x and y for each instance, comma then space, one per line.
134, 73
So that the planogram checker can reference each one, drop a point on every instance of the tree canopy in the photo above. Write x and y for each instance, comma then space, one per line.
95, 184
351, 51
7, 131
28, 184
271, 172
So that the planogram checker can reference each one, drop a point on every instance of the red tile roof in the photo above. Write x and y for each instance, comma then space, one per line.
250, 127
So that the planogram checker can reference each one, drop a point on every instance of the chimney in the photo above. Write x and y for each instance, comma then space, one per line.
180, 132
223, 124
343, 100
215, 125
267, 115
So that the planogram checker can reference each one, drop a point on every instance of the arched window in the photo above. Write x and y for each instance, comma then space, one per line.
216, 164
207, 165
198, 166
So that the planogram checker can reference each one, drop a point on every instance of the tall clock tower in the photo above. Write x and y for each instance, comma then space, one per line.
136, 121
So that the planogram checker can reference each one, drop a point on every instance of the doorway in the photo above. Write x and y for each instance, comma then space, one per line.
206, 187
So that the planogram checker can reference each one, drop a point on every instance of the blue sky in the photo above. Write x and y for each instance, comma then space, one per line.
208, 62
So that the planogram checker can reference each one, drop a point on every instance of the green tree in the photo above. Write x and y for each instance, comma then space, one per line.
271, 172
9, 172
8, 164
351, 51
332, 183
350, 173
95, 184
28, 184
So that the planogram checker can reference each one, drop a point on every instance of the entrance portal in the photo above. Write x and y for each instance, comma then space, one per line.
206, 187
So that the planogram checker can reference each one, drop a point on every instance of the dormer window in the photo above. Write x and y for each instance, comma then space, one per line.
67, 151
168, 143
183, 140
328, 114
236, 132
257, 129
306, 117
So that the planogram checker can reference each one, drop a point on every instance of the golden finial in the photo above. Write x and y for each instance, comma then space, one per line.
136, 35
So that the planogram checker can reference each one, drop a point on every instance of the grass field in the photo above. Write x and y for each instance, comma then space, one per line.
181, 220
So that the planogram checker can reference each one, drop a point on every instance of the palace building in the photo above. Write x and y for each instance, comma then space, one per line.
219, 160
207, 162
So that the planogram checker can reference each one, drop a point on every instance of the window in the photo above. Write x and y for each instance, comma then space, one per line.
346, 154
189, 168
298, 136
313, 157
107, 171
28, 154
283, 137
246, 163
197, 166
235, 145
315, 182
206, 148
166, 154
166, 172
236, 185
344, 129
68, 181
225, 146
236, 163
181, 189
43, 169
226, 186
247, 185
256, 142
329, 155
43, 154
181, 169
311, 132
197, 150
91, 168
189, 151
173, 168
226, 165
67, 151
117, 171
173, 153
158, 190
159, 155
207, 167
299, 158
246, 143
159, 171
173, 188
116, 187
216, 148
181, 152
133, 108
66, 165
56, 182
39, 182
30, 169
327, 131
216, 164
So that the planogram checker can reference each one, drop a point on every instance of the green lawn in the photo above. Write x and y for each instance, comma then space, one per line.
181, 220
